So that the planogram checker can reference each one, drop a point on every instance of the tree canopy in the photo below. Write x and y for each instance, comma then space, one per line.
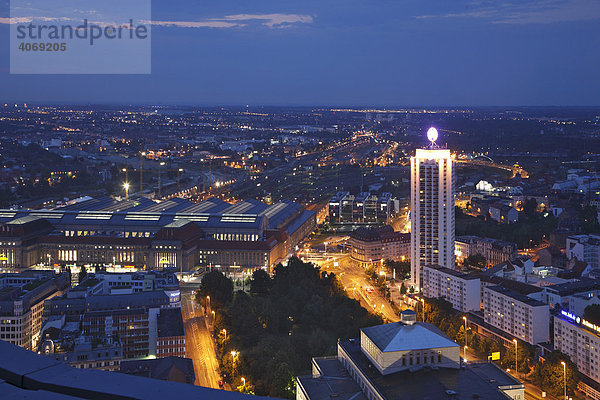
285, 321
218, 287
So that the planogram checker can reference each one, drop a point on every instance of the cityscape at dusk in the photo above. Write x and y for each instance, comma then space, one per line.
300, 200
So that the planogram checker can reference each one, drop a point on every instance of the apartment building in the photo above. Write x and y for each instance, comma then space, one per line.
460, 289
517, 314
580, 340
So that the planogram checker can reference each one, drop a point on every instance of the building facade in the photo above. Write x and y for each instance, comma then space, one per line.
432, 211
584, 248
22, 309
580, 340
516, 314
493, 250
363, 208
143, 234
370, 246
462, 290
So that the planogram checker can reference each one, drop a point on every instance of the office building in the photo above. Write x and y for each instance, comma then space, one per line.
368, 246
517, 313
363, 208
403, 360
143, 321
432, 209
462, 290
22, 306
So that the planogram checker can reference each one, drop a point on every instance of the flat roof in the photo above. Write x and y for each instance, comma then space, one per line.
335, 382
517, 296
170, 323
474, 379
452, 272
569, 288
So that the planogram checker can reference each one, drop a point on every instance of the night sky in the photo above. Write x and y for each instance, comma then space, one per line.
334, 52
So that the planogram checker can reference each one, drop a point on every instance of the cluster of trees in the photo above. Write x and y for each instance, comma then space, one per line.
475, 261
402, 268
529, 230
268, 336
548, 374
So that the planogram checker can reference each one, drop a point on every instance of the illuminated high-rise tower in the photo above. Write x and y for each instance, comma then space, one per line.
431, 209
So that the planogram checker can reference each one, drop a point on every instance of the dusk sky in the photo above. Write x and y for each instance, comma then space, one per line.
352, 52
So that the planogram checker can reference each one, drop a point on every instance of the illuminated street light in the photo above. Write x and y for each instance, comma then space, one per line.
243, 381
516, 364
160, 164
224, 333
126, 187
142, 155
465, 319
564, 378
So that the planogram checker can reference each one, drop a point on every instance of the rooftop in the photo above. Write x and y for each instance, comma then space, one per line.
581, 285
517, 296
452, 272
482, 379
398, 336
170, 323
33, 376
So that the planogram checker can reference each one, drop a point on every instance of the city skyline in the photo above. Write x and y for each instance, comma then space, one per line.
536, 53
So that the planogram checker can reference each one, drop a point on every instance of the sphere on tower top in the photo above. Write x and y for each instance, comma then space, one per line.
432, 134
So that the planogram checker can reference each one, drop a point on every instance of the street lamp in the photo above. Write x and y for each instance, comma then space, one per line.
423, 303
126, 186
564, 378
208, 301
243, 381
516, 355
160, 164
142, 155
179, 171
224, 333
465, 319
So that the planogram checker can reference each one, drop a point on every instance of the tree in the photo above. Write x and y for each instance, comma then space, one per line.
260, 284
525, 357
475, 261
82, 273
275, 334
218, 287
589, 219
592, 314
549, 374
530, 207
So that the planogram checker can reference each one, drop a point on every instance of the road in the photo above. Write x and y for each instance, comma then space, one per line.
355, 282
199, 343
